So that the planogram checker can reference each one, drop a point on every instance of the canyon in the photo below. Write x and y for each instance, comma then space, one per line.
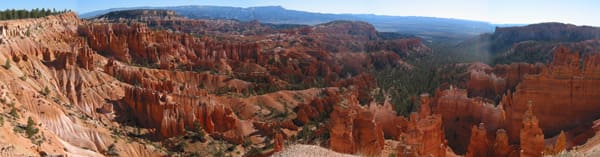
152, 83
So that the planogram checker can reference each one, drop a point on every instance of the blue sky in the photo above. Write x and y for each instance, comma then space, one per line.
579, 12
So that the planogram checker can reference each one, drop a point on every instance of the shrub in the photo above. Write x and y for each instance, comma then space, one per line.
112, 150
198, 132
30, 129
13, 112
45, 91
247, 142
7, 64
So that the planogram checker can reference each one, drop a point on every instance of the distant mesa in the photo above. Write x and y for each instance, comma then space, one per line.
533, 43
142, 14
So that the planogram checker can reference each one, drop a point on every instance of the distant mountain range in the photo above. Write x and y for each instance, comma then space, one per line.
425, 27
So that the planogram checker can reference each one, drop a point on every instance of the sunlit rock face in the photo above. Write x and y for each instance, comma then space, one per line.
136, 43
353, 129
563, 92
52, 77
460, 113
358, 130
492, 83
479, 144
532, 138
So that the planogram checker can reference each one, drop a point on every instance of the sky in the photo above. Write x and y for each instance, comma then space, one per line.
579, 12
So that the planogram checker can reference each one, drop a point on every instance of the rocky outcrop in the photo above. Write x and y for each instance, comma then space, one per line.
362, 83
479, 144
53, 80
460, 112
423, 137
532, 138
317, 108
514, 73
368, 135
181, 82
485, 85
501, 147
171, 114
135, 43
152, 110
278, 144
560, 145
79, 56
424, 134
560, 87
353, 129
85, 57
386, 118
341, 132
564, 85
491, 83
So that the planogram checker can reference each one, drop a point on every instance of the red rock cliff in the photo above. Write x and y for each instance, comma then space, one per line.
561, 90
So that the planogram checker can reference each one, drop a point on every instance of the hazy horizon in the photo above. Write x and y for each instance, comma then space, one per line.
578, 12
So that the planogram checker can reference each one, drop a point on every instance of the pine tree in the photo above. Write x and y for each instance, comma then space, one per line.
33, 13
43, 12
30, 129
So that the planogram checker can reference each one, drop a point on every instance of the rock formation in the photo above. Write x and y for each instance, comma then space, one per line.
493, 82
424, 134
385, 117
560, 87
532, 138
559, 146
459, 111
278, 142
135, 43
501, 146
100, 87
478, 146
52, 80
171, 114
353, 129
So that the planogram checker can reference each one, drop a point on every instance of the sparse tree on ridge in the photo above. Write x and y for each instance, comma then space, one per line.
10, 14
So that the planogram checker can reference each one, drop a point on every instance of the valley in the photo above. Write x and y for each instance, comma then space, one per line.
152, 82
